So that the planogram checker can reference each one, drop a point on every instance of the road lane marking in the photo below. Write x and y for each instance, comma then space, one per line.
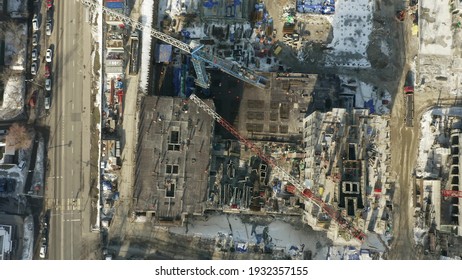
73, 220
72, 171
73, 85
72, 127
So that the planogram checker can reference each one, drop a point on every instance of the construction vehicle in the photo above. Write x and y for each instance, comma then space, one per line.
409, 99
199, 55
296, 186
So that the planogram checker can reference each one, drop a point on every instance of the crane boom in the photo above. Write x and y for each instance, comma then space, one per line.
198, 55
450, 193
301, 191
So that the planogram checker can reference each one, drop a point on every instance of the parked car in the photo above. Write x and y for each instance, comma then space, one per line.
35, 39
43, 251
34, 55
48, 28
49, 55
33, 68
47, 102
35, 23
22, 164
47, 70
48, 84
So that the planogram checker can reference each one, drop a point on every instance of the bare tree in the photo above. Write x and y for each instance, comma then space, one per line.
13, 27
19, 136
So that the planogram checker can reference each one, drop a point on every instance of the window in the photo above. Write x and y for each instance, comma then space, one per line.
171, 169
169, 188
174, 141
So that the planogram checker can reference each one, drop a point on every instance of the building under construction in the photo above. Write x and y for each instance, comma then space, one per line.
173, 158
340, 158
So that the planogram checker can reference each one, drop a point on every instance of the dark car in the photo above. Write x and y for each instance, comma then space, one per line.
47, 70
33, 99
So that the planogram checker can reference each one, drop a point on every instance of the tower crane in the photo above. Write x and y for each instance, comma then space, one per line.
199, 56
450, 193
297, 189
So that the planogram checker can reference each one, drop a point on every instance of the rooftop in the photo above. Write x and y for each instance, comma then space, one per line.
173, 158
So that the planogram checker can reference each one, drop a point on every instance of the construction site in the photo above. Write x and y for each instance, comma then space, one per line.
268, 120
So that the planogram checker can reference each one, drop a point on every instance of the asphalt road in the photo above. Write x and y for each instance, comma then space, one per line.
68, 147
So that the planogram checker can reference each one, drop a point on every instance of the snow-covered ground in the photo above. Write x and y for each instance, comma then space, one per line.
352, 25
283, 235
146, 20
365, 93
431, 154
37, 183
13, 97
28, 239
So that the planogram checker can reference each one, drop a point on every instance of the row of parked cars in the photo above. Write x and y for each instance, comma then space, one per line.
48, 55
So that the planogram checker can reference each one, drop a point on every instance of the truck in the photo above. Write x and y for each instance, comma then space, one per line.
408, 91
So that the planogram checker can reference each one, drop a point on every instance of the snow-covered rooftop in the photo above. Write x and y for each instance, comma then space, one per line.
352, 25
435, 27
13, 97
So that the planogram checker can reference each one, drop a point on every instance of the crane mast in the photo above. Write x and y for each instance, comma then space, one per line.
298, 189
199, 57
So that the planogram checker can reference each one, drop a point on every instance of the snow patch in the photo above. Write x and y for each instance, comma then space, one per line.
431, 153
282, 235
146, 20
28, 239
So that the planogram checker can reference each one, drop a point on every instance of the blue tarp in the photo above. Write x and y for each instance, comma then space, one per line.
119, 84
277, 187
189, 86
107, 186
324, 7
209, 4
115, 5
370, 105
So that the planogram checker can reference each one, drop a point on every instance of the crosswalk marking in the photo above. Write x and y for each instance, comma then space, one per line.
64, 204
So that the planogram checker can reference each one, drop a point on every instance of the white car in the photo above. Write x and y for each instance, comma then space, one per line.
35, 23
49, 55
48, 28
48, 84
43, 251
47, 102
33, 69
34, 54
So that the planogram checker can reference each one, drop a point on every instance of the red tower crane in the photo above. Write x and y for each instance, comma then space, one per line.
297, 187
449, 193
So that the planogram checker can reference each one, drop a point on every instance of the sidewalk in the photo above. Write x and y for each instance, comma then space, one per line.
129, 136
